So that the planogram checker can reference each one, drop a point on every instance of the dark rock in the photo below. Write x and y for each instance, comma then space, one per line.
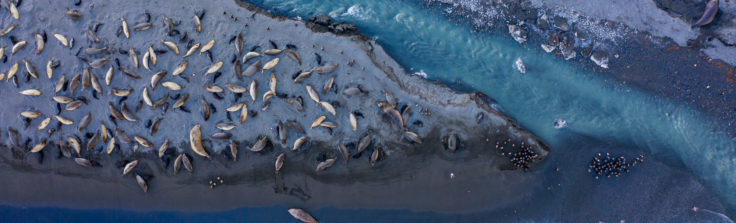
323, 23
582, 35
561, 23
518, 33
586, 51
566, 44
543, 22
529, 15
600, 58
343, 28
321, 20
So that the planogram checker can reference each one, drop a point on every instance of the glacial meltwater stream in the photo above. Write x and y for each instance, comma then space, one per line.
426, 41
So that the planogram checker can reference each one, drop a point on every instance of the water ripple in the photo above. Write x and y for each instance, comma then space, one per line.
551, 88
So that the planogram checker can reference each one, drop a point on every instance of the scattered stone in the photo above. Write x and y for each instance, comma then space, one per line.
600, 58
517, 33
548, 48
543, 22
323, 23
586, 51
582, 35
321, 19
561, 23
568, 53
519, 65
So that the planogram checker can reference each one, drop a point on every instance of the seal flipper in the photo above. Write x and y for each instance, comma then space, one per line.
711, 9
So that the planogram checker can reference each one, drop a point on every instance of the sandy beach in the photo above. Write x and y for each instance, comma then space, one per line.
408, 174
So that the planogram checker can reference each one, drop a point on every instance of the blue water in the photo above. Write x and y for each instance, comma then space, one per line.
551, 88
423, 40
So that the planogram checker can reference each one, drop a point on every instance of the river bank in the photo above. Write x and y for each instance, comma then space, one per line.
602, 114
648, 45
396, 170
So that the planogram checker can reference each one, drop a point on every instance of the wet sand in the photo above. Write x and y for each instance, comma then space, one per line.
409, 175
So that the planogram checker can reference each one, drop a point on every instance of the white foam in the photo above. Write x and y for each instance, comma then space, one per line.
358, 12
421, 73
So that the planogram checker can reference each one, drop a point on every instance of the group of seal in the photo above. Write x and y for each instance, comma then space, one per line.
610, 166
124, 98
149, 60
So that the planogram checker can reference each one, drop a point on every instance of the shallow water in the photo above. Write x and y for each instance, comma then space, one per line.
550, 89
601, 116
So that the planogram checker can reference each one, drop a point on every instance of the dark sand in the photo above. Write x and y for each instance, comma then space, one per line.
413, 176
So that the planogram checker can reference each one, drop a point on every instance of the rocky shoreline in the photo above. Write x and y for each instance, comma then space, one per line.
669, 58
421, 137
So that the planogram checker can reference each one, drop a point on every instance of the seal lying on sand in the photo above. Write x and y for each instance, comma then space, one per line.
381, 123
708, 14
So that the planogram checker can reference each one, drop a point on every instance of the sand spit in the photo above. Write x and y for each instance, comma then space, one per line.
407, 120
